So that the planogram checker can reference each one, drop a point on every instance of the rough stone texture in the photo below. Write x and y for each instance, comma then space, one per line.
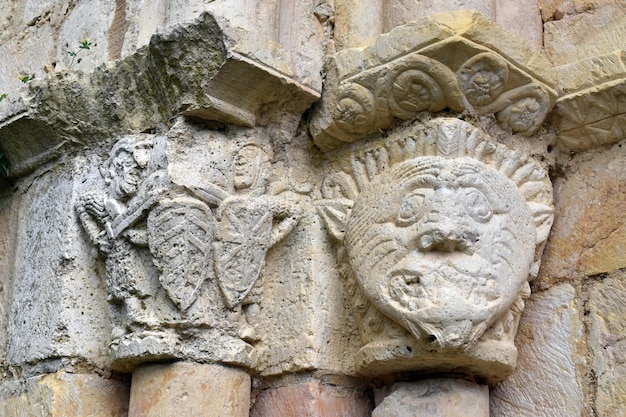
589, 232
607, 317
459, 61
189, 389
63, 394
595, 116
188, 69
56, 298
557, 9
420, 258
548, 380
598, 31
359, 22
435, 397
312, 399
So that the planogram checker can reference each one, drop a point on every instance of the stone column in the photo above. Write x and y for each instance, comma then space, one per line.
190, 390
441, 397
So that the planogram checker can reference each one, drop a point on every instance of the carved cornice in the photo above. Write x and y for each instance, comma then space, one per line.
459, 61
197, 69
593, 110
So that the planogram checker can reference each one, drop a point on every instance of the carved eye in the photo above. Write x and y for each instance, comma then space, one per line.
478, 206
413, 206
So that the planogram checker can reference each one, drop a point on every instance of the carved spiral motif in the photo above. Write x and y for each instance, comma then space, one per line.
522, 109
354, 113
413, 91
521, 117
482, 78
415, 84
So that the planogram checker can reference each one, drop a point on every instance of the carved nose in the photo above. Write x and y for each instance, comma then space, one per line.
447, 235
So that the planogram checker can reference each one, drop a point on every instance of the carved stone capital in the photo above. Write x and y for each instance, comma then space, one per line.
592, 111
438, 231
458, 61
203, 69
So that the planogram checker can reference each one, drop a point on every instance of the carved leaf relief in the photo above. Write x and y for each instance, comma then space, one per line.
245, 226
180, 232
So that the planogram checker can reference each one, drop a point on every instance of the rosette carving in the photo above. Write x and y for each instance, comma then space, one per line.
482, 78
417, 84
354, 114
426, 68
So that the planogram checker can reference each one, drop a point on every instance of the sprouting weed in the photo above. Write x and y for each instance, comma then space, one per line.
26, 78
3, 96
84, 44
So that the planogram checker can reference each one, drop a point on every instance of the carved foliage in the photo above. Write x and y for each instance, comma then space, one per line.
592, 118
245, 230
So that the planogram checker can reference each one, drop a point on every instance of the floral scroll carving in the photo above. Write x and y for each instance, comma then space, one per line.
404, 74
438, 231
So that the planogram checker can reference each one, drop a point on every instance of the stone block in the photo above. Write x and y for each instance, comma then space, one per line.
189, 389
62, 394
522, 19
607, 315
589, 232
548, 379
312, 399
579, 36
435, 397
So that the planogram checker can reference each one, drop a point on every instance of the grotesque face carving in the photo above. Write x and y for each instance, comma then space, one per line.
441, 246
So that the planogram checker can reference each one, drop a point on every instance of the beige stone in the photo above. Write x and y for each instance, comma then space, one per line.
589, 232
147, 88
312, 399
453, 61
593, 117
435, 397
595, 32
548, 381
63, 394
522, 19
421, 261
189, 389
607, 315
591, 72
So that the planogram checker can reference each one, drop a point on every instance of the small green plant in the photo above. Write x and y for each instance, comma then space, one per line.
3, 96
26, 78
84, 44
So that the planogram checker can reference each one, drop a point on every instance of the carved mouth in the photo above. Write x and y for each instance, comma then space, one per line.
448, 289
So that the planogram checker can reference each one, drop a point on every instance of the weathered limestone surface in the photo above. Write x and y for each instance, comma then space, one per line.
359, 22
607, 316
435, 397
459, 61
166, 203
312, 399
189, 389
57, 307
597, 31
589, 232
63, 394
191, 69
422, 219
548, 381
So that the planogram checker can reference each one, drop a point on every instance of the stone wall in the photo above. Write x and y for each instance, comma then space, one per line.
182, 183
